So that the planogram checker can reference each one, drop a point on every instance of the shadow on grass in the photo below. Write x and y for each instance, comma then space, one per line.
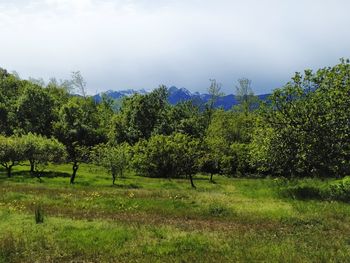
27, 175
127, 186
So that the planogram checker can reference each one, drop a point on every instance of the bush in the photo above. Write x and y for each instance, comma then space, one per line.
339, 190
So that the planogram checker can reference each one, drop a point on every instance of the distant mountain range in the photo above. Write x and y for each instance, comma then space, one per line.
177, 95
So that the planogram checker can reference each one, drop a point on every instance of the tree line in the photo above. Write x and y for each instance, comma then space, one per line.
303, 129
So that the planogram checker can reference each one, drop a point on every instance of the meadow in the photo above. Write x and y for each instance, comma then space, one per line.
160, 220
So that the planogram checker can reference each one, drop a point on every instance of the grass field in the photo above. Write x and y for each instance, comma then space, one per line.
160, 220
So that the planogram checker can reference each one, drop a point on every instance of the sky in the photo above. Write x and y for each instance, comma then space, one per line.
135, 44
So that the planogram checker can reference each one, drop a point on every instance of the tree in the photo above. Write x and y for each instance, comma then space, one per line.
226, 139
34, 111
78, 128
167, 156
11, 152
309, 118
40, 151
79, 83
207, 163
153, 157
185, 155
10, 88
113, 158
247, 101
186, 118
214, 93
141, 116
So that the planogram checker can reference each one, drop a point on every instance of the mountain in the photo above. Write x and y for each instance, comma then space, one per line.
177, 95
118, 94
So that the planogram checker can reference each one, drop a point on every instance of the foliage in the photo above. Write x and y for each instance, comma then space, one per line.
153, 158
167, 156
227, 140
114, 159
11, 152
34, 111
41, 151
338, 190
302, 130
141, 116
78, 128
309, 119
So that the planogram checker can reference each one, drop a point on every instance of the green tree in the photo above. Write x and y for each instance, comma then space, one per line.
167, 156
141, 116
207, 163
153, 157
186, 118
185, 154
10, 88
114, 159
78, 128
34, 111
226, 141
40, 151
310, 119
11, 152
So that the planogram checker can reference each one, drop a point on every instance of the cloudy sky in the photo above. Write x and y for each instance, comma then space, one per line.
120, 44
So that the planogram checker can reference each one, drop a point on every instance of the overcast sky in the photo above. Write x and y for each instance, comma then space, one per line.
121, 44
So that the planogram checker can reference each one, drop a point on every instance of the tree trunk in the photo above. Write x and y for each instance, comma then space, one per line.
75, 169
191, 179
211, 177
32, 167
113, 175
9, 169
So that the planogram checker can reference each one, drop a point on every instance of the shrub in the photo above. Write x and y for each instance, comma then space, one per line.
339, 190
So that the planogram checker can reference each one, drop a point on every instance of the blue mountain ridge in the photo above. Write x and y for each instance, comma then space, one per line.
177, 95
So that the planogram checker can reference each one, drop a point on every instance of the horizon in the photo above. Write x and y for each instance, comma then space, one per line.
172, 86
130, 44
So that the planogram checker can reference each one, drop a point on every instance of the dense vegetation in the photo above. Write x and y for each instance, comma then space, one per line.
302, 130
147, 146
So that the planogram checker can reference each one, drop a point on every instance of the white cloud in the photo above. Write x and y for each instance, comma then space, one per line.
130, 43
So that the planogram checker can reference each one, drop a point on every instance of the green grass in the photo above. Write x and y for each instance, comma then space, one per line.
160, 220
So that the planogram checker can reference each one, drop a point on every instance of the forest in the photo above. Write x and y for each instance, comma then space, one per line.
284, 162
